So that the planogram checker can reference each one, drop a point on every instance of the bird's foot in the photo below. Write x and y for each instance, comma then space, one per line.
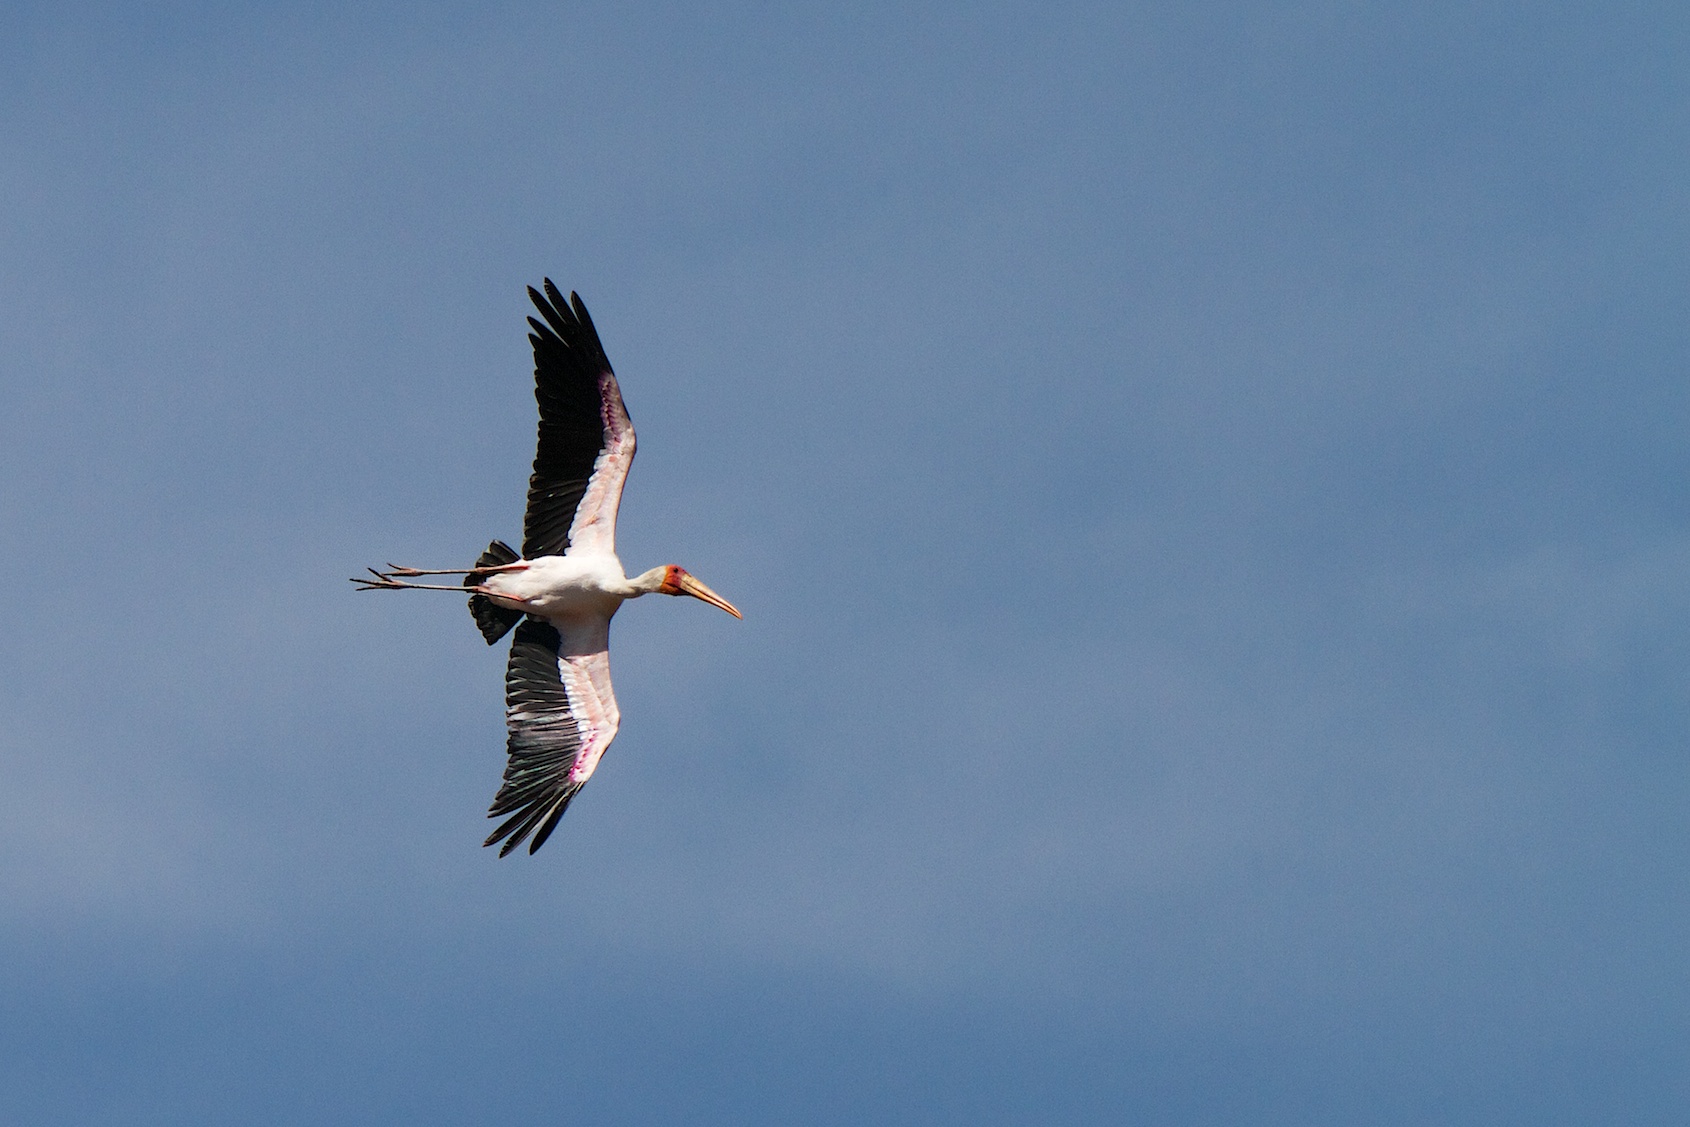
377, 581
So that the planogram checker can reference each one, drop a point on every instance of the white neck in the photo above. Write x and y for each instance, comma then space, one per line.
646, 582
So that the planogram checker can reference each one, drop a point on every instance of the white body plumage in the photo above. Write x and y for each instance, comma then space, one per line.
567, 586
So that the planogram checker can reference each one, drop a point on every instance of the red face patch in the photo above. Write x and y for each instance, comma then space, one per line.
672, 579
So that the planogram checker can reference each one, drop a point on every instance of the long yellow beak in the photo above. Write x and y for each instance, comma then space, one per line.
691, 586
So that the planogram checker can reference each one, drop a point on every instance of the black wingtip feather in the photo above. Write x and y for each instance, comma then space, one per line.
571, 322
554, 309
507, 827
561, 305
550, 824
583, 316
521, 824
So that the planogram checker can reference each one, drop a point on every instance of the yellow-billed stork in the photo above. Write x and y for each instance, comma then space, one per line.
561, 592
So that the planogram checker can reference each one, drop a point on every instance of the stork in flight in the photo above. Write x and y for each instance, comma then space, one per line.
560, 593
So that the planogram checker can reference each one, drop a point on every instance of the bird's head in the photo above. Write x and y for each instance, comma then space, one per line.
678, 580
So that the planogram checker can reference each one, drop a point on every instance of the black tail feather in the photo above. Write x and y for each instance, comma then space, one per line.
492, 620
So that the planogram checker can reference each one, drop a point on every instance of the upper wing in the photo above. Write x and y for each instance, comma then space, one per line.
560, 714
586, 441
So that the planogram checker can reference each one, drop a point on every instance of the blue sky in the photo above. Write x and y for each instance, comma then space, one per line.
1206, 485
